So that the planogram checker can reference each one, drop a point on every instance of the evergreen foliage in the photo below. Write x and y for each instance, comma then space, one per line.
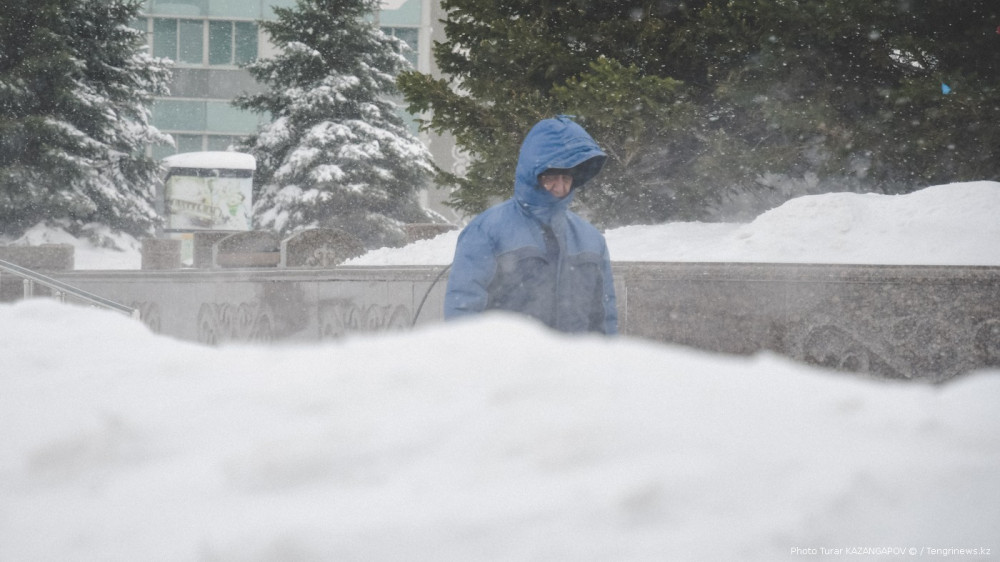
852, 89
75, 85
337, 152
699, 102
503, 61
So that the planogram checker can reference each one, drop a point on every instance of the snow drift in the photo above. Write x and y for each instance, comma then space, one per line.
486, 439
954, 224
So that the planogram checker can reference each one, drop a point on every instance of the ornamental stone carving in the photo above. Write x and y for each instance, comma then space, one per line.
341, 317
244, 322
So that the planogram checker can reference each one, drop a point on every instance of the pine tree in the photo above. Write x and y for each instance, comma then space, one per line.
719, 98
509, 64
75, 86
641, 122
851, 90
337, 153
919, 135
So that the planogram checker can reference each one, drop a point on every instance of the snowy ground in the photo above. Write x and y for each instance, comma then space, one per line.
494, 439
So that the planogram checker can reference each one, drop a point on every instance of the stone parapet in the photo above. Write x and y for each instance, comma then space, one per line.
898, 322
320, 247
203, 244
161, 253
247, 249
889, 322
45, 257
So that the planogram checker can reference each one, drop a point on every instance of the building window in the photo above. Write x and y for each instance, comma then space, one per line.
410, 36
188, 143
190, 36
165, 38
220, 42
179, 40
199, 115
230, 43
198, 124
244, 42
179, 115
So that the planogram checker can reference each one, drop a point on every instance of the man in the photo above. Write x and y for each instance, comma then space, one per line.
530, 254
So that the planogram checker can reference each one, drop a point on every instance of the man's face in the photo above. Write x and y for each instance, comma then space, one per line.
558, 184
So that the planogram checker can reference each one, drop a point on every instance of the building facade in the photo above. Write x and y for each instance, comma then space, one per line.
209, 40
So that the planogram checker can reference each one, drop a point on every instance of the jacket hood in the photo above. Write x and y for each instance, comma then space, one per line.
554, 143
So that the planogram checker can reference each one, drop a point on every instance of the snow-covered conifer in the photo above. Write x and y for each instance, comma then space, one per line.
337, 152
75, 87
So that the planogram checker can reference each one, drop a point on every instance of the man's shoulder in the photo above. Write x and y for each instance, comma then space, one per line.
582, 225
496, 216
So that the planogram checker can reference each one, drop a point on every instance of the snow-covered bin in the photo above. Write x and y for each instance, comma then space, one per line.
205, 192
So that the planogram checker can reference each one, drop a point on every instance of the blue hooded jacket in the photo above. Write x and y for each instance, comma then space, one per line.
531, 254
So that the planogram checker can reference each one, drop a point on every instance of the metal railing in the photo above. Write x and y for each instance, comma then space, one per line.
61, 290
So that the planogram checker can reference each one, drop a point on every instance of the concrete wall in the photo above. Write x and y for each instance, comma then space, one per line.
926, 323
929, 323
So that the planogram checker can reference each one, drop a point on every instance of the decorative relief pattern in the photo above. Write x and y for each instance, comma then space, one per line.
831, 346
324, 256
928, 329
986, 342
932, 343
221, 322
931, 348
344, 316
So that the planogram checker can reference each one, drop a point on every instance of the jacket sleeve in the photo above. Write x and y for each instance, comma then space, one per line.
472, 271
610, 301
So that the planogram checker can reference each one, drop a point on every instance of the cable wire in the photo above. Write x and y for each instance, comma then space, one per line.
416, 315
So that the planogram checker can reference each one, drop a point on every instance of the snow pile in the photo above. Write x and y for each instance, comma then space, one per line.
490, 438
953, 224
435, 251
115, 250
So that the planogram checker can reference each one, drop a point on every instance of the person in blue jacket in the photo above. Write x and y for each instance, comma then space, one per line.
531, 254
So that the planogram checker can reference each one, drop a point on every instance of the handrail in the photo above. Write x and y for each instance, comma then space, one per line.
63, 289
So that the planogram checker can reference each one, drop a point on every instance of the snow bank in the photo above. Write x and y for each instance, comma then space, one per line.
118, 251
954, 224
490, 438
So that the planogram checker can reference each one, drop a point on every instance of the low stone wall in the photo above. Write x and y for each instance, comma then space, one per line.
929, 323
45, 258
926, 323
270, 305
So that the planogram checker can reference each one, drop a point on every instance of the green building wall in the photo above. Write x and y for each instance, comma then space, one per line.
209, 39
